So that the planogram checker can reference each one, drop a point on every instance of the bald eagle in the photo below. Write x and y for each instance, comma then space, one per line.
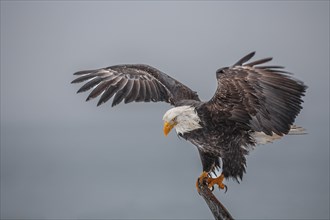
253, 104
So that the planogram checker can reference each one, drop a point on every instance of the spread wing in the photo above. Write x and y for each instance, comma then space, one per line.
132, 83
262, 98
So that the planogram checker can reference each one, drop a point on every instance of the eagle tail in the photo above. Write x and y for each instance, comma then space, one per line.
296, 130
262, 138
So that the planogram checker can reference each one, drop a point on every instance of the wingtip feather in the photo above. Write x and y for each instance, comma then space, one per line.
82, 72
261, 61
80, 90
245, 59
99, 103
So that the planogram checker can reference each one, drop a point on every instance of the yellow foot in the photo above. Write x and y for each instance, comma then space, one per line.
211, 181
219, 181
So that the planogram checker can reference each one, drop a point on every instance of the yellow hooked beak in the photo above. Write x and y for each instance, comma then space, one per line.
168, 127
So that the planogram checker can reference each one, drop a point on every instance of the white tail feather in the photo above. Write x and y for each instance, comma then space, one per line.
262, 138
296, 130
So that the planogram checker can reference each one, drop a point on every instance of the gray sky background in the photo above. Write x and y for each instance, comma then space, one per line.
64, 158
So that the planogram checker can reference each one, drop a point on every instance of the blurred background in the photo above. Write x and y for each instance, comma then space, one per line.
64, 158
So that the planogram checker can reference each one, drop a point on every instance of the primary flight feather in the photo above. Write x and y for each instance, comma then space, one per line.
253, 104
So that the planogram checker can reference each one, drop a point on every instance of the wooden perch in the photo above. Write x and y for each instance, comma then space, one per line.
218, 210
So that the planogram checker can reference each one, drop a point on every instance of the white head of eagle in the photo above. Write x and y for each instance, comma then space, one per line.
183, 118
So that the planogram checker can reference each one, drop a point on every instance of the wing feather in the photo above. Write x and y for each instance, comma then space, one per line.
154, 91
87, 77
133, 82
98, 90
142, 92
111, 90
261, 61
259, 98
148, 92
90, 84
133, 93
245, 59
120, 95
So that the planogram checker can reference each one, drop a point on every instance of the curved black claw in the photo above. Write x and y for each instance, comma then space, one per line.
226, 188
212, 188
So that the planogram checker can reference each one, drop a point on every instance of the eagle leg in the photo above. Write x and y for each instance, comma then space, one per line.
211, 181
